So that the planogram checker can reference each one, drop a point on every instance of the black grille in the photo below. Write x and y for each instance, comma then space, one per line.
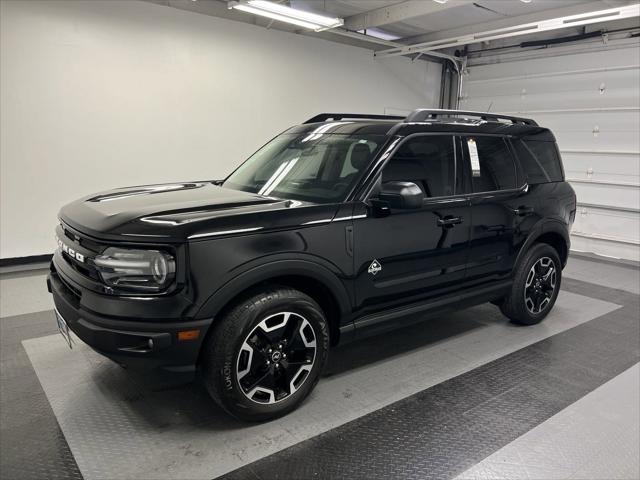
86, 268
69, 235
83, 268
77, 293
91, 245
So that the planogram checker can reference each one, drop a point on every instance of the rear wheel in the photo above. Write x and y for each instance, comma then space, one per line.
266, 354
535, 287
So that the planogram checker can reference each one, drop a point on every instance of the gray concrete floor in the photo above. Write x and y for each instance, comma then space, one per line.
620, 277
24, 292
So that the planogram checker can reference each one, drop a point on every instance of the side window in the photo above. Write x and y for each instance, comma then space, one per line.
426, 160
492, 166
539, 161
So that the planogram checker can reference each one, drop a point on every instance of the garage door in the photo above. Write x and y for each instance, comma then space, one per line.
591, 102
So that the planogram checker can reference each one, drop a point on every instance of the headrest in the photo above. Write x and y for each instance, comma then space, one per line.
422, 149
360, 156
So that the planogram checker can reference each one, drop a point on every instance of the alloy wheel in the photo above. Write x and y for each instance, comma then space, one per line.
276, 358
540, 285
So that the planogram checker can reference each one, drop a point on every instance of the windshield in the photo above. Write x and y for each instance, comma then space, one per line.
313, 167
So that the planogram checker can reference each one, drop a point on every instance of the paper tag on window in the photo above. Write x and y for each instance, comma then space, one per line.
473, 155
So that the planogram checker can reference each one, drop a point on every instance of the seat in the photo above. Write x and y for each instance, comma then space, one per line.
359, 159
360, 156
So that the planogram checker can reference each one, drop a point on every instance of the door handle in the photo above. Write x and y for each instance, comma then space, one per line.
523, 211
449, 221
349, 240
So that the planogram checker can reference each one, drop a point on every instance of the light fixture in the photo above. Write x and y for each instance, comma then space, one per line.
282, 13
381, 34
526, 1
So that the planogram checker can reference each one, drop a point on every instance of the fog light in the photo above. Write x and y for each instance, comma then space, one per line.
150, 344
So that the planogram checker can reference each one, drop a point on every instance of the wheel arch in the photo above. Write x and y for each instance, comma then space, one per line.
315, 280
552, 233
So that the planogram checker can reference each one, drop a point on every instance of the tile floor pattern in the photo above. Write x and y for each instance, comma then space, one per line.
444, 430
99, 407
596, 437
32, 444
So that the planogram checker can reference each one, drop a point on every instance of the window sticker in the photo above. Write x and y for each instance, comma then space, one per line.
473, 155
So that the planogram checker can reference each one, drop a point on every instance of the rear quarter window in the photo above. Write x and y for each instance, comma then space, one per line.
539, 160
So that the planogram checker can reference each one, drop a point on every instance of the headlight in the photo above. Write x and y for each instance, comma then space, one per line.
137, 270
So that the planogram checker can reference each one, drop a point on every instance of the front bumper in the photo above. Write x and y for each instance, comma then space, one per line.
127, 341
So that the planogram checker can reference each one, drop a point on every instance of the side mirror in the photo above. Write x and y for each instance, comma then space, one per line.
402, 195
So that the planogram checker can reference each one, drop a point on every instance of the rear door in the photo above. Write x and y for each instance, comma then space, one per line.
502, 210
412, 254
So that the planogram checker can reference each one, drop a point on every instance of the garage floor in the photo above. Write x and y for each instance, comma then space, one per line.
468, 396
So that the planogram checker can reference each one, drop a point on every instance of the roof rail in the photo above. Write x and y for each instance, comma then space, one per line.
323, 117
424, 114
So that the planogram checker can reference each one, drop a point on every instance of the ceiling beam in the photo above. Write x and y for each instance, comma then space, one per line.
399, 12
553, 23
378, 41
510, 21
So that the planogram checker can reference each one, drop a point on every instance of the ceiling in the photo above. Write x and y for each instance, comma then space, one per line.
457, 14
408, 21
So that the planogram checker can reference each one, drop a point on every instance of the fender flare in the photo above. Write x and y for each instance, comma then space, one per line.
541, 228
272, 268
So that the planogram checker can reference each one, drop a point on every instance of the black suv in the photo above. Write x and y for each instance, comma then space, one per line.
345, 226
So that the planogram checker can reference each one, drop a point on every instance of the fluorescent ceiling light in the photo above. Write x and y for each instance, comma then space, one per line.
275, 16
286, 14
376, 32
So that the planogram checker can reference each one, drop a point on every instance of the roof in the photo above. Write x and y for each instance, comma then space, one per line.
423, 120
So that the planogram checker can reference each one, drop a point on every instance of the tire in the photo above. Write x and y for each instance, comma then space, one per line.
266, 354
534, 291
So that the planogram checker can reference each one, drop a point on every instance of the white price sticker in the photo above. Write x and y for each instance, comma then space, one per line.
475, 159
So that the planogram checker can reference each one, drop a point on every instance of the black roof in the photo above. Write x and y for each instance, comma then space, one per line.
425, 114
424, 120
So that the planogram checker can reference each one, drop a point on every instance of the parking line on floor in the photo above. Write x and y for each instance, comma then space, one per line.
32, 445
119, 428
566, 446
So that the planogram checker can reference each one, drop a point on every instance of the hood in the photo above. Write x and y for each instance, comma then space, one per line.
180, 211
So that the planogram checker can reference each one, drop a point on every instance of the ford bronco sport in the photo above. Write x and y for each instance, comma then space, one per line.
345, 226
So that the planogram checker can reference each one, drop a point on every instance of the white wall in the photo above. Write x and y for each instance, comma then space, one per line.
102, 94
598, 131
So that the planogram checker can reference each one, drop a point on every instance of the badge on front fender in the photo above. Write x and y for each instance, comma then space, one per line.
375, 267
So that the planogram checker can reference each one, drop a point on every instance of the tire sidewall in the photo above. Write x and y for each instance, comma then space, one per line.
541, 250
230, 394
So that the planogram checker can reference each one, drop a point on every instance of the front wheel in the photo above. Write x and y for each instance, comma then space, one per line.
266, 354
535, 286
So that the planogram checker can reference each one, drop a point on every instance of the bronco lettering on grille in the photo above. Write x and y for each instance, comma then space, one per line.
69, 251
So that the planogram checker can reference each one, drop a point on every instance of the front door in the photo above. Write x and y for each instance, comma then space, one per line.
413, 254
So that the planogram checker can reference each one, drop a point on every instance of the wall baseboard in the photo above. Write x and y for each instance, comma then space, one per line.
22, 261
